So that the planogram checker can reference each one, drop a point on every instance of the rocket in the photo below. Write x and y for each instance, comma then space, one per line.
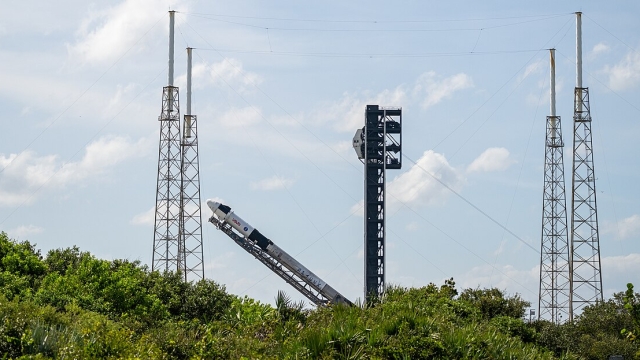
224, 214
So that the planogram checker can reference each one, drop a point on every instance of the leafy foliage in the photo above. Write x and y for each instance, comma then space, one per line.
70, 304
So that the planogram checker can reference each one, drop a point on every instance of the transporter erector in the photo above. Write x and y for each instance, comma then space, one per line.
271, 255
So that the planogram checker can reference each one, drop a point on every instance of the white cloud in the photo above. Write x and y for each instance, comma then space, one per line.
532, 68
225, 73
504, 277
348, 114
144, 218
629, 227
431, 89
599, 48
418, 186
621, 266
106, 34
492, 159
272, 183
626, 74
616, 271
230, 71
26, 174
24, 231
500, 248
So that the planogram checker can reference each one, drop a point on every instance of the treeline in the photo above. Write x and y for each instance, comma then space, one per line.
71, 305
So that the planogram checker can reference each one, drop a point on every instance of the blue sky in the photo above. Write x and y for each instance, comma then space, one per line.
279, 91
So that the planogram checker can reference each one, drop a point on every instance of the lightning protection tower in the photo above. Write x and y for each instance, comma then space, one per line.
553, 301
168, 254
190, 212
585, 272
378, 145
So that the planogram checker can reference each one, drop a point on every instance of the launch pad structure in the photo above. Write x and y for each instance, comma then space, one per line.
570, 266
379, 145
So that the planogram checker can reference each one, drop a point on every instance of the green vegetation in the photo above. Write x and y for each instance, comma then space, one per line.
71, 305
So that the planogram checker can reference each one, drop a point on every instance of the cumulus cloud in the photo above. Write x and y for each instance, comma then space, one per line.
144, 218
625, 74
107, 33
419, 185
616, 270
429, 89
227, 72
598, 49
272, 183
621, 266
348, 113
24, 231
432, 89
506, 277
492, 159
629, 227
533, 68
26, 174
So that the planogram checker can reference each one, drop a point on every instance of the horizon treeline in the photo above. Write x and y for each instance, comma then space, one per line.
71, 305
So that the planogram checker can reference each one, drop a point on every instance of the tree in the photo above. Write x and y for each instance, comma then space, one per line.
492, 303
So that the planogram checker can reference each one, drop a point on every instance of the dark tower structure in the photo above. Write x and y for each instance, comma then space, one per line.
585, 270
553, 301
378, 144
190, 204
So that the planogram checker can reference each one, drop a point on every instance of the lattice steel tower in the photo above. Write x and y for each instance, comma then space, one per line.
585, 270
378, 144
190, 214
553, 301
168, 254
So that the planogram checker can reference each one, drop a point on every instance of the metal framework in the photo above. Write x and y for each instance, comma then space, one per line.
190, 204
585, 269
168, 254
273, 264
553, 302
382, 150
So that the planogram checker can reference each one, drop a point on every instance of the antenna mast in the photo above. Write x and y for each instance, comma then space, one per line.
585, 272
168, 253
553, 301
190, 205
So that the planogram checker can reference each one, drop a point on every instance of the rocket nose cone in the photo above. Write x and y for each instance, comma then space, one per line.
213, 205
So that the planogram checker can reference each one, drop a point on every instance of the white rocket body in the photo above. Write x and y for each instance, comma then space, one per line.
224, 214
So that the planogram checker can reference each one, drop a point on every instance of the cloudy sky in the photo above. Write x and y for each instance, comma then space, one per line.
279, 90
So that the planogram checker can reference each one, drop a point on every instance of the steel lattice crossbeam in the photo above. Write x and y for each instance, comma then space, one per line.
585, 271
553, 302
166, 239
190, 219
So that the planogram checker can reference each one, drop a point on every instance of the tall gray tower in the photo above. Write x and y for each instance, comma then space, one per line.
167, 248
553, 301
585, 270
190, 204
